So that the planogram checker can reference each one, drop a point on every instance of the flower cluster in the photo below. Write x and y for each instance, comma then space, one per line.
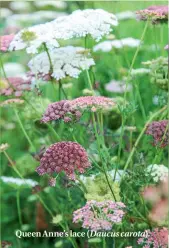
15, 86
157, 238
93, 103
99, 215
159, 72
159, 131
5, 42
118, 87
157, 172
64, 156
158, 197
98, 190
106, 46
96, 23
157, 14
18, 181
11, 102
67, 61
60, 111
68, 110
4, 147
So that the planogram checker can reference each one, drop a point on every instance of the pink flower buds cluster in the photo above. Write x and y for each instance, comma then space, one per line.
15, 86
99, 215
158, 197
64, 156
66, 109
5, 42
159, 130
60, 110
157, 14
157, 238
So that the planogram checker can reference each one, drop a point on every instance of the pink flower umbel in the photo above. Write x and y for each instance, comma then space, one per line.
158, 197
157, 14
69, 110
64, 156
5, 42
159, 130
157, 238
99, 215
59, 111
15, 86
93, 103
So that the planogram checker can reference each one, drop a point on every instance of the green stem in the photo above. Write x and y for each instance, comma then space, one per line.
141, 103
140, 136
19, 208
23, 129
18, 173
104, 243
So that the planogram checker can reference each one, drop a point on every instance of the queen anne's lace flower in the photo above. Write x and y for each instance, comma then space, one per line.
157, 238
69, 110
99, 215
18, 181
117, 87
15, 86
92, 103
11, 102
140, 71
67, 61
96, 23
64, 156
106, 46
157, 14
5, 42
159, 130
4, 147
157, 172
60, 111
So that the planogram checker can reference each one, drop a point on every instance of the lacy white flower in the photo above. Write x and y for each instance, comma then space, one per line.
55, 4
140, 71
96, 23
125, 15
18, 181
117, 86
33, 38
158, 172
106, 46
67, 61
5, 13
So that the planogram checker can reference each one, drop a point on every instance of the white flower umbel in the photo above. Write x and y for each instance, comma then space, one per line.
80, 23
13, 69
117, 87
157, 172
107, 46
32, 38
66, 61
19, 181
139, 71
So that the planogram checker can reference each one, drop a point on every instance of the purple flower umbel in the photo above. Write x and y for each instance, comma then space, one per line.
159, 130
64, 156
